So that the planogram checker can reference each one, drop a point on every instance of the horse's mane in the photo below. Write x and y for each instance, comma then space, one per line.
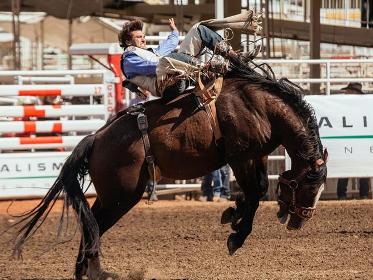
290, 93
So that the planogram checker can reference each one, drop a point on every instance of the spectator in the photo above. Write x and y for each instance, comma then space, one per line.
342, 188
215, 186
225, 192
352, 88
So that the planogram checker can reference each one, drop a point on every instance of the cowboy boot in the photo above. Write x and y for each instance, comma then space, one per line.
248, 21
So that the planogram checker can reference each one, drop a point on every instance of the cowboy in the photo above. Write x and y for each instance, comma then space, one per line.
140, 64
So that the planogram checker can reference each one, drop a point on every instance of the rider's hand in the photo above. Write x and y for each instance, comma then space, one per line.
172, 24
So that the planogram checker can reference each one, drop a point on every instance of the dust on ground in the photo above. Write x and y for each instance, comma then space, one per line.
184, 240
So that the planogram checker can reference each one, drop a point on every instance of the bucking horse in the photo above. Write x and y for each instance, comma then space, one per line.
256, 113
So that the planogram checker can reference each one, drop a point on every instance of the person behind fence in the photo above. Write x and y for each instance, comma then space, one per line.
215, 185
352, 88
162, 71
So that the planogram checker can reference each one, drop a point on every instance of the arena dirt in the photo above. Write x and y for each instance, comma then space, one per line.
184, 240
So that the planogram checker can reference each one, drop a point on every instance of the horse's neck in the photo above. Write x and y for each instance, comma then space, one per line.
294, 137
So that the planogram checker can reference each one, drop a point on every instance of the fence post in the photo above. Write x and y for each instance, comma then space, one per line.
328, 78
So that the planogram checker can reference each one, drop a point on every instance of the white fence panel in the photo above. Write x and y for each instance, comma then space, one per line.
50, 126
49, 111
32, 171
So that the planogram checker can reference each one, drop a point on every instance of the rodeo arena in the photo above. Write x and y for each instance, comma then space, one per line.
176, 139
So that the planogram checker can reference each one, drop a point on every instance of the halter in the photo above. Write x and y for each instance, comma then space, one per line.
302, 212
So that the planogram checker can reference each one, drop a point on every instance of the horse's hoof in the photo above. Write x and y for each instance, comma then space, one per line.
227, 216
233, 244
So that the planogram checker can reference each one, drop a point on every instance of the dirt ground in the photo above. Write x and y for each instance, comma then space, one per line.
184, 240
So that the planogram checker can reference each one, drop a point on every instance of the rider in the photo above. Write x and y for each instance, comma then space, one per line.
139, 64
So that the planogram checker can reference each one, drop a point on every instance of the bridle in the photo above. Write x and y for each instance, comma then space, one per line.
302, 212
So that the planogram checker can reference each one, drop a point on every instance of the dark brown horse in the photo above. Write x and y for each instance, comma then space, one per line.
256, 114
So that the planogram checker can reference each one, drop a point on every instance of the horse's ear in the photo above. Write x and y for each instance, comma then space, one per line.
325, 155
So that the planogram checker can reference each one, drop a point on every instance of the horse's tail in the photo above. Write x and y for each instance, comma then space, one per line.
70, 182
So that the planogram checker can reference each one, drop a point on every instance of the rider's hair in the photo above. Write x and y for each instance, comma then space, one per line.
125, 34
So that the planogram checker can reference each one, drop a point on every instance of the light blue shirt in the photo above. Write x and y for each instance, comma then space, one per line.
134, 65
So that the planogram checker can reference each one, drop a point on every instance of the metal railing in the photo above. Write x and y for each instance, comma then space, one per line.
363, 67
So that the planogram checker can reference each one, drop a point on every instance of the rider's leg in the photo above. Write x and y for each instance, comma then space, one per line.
192, 43
172, 91
184, 57
201, 36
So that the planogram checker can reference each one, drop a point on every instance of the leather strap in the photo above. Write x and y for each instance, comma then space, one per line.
142, 123
208, 94
211, 108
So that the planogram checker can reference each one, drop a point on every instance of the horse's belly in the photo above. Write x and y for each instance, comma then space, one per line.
188, 151
187, 165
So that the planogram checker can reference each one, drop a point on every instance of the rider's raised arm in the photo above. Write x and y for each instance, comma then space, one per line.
134, 65
170, 44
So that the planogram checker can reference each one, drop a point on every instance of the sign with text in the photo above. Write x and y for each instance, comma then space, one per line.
346, 130
30, 174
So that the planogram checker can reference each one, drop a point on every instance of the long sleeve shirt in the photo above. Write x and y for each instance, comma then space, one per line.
134, 65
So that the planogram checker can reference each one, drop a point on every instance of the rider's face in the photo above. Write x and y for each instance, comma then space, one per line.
138, 39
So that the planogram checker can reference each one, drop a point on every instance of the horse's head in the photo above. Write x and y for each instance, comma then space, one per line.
299, 193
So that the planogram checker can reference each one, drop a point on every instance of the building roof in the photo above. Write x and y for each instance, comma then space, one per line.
68, 8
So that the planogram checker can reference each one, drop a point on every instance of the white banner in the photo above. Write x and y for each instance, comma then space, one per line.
30, 174
346, 130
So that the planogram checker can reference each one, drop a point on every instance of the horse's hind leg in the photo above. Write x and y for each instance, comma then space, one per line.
107, 212
251, 176
106, 217
81, 264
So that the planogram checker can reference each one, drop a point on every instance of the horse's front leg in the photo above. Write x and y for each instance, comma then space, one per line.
253, 180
